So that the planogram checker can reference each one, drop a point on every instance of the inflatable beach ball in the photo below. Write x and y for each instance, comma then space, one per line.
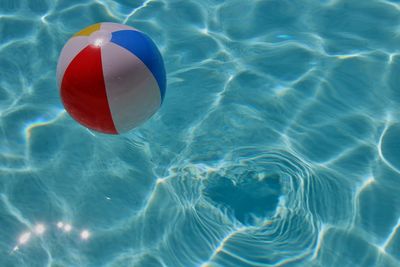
111, 77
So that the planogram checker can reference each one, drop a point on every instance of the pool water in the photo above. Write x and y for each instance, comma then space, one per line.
277, 143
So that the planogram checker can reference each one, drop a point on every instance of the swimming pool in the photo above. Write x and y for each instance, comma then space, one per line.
277, 143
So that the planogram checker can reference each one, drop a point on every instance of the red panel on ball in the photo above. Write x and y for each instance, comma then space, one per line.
83, 91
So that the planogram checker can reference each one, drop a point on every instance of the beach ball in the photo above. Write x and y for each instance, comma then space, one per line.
111, 77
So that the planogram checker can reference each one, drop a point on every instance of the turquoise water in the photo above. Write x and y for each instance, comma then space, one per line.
277, 143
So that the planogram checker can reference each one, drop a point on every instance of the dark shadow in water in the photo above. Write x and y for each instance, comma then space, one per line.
247, 197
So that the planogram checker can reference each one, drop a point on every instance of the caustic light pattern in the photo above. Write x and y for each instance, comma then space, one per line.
111, 77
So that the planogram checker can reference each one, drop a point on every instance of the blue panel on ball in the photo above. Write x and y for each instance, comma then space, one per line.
144, 48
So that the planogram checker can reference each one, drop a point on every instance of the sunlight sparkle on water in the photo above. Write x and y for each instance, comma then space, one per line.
24, 238
67, 228
40, 229
85, 234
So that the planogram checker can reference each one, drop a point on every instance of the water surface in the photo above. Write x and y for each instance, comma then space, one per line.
277, 143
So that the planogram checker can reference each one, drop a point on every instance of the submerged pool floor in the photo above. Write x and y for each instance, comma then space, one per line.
277, 143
